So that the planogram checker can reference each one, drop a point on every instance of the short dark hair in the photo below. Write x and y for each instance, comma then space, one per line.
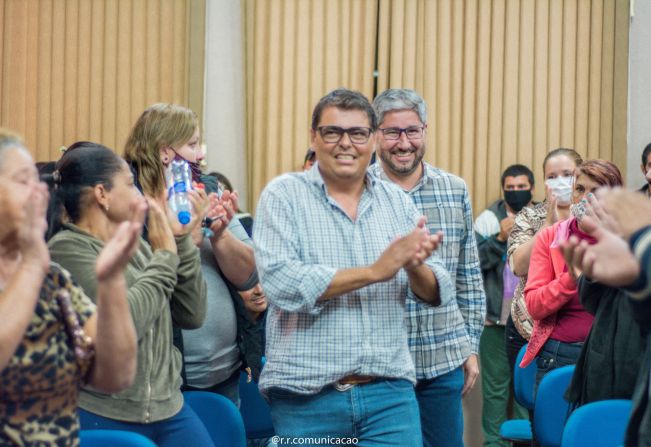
221, 178
344, 99
310, 155
645, 154
517, 170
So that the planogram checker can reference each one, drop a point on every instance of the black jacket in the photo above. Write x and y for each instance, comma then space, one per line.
611, 356
492, 257
638, 432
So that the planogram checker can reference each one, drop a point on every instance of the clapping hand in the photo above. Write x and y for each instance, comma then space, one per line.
119, 250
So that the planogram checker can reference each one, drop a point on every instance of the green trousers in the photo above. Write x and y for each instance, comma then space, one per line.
496, 386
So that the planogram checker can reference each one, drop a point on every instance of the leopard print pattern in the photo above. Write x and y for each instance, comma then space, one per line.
40, 385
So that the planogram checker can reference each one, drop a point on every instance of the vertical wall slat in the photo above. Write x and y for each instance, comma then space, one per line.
596, 42
70, 71
607, 79
496, 106
57, 72
526, 84
582, 83
31, 76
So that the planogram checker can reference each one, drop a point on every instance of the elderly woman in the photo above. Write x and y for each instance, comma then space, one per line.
561, 323
92, 187
52, 337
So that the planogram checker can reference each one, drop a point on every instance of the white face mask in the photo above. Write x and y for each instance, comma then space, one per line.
562, 188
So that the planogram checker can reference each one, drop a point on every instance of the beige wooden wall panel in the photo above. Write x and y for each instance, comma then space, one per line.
508, 80
296, 52
85, 70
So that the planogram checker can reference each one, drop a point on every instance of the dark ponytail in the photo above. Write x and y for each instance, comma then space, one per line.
83, 166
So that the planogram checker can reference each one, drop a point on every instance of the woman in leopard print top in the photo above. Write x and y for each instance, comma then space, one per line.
52, 337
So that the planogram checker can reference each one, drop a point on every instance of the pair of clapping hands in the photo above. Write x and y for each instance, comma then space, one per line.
409, 251
612, 216
211, 211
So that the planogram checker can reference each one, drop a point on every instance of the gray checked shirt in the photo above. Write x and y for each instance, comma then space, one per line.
441, 338
302, 237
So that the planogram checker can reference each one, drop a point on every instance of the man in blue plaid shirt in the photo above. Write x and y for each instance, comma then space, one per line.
444, 341
338, 253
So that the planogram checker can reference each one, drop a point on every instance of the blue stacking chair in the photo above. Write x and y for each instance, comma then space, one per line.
255, 410
106, 438
551, 408
598, 424
220, 416
524, 379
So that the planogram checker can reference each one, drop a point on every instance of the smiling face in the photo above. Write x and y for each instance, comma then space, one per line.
343, 163
255, 301
401, 157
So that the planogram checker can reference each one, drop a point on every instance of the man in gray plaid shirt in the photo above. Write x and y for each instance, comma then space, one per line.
444, 341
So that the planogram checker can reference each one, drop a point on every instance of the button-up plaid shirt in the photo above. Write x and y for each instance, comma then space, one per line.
442, 338
302, 237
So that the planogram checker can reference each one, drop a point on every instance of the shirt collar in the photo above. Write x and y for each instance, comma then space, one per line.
426, 177
314, 176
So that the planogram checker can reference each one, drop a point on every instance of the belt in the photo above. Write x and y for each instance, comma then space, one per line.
350, 381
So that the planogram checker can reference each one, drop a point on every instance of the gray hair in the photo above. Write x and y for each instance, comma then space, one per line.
399, 99
9, 140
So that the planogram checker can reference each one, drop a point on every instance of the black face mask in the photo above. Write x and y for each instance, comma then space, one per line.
195, 168
517, 199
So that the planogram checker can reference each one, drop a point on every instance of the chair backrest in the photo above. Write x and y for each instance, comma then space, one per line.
598, 424
255, 410
524, 380
220, 416
105, 438
551, 408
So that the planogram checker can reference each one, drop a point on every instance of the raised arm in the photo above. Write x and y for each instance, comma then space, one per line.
545, 293
22, 289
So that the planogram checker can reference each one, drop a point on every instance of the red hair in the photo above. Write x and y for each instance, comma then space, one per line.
602, 172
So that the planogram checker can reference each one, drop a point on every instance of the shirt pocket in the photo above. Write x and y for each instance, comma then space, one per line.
447, 217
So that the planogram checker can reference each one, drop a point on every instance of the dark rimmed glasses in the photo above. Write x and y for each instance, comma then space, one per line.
334, 134
412, 132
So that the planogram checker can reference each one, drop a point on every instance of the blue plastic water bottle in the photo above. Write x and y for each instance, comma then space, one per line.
180, 183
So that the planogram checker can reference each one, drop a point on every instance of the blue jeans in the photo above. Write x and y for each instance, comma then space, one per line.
383, 412
555, 354
441, 413
172, 432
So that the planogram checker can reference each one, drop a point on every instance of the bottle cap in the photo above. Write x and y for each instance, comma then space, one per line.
184, 217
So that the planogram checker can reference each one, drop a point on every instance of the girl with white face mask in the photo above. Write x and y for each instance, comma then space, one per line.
558, 169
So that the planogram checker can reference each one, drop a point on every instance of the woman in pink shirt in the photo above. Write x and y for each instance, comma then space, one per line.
561, 324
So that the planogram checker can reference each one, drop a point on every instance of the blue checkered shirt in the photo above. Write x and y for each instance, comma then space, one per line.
302, 237
442, 338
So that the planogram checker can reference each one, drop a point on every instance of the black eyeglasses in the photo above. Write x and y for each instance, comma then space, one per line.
412, 132
334, 134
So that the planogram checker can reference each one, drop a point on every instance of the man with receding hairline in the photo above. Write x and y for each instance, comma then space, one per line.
444, 341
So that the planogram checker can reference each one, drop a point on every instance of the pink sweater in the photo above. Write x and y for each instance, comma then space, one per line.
549, 287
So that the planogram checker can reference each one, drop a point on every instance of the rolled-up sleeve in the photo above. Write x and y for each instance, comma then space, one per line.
290, 284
